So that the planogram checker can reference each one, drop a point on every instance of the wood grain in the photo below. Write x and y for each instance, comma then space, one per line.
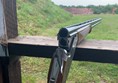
90, 44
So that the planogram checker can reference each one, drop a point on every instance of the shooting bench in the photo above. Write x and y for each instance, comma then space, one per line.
12, 46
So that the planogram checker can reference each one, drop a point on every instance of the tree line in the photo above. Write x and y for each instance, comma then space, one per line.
107, 9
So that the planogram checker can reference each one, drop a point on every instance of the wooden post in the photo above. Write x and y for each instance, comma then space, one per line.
9, 65
1, 79
10, 18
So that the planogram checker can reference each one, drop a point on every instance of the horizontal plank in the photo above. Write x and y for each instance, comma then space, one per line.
90, 44
34, 40
104, 51
100, 44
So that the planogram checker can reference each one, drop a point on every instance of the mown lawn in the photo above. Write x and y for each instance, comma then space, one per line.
34, 70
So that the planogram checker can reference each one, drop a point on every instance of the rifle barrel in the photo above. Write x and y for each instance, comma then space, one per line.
74, 29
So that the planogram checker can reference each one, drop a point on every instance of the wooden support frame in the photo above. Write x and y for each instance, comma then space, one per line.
10, 71
104, 51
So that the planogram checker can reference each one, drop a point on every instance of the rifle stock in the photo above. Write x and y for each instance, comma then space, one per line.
68, 38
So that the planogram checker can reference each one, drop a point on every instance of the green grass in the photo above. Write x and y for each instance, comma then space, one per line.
35, 69
36, 15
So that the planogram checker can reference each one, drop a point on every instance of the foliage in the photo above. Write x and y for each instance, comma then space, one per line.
107, 9
103, 9
33, 1
116, 11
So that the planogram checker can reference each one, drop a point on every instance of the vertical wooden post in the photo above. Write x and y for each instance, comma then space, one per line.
1, 79
10, 65
10, 18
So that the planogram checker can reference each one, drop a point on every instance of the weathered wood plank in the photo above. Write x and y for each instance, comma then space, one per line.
1, 80
15, 70
88, 44
100, 51
9, 7
3, 36
8, 20
100, 44
35, 40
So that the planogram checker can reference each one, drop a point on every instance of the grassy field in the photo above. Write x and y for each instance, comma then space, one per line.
107, 30
34, 16
34, 70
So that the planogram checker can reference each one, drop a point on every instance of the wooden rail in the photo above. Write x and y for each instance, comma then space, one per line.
104, 51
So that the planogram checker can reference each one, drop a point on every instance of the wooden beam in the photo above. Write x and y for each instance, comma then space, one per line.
9, 64
3, 36
104, 51
100, 44
9, 7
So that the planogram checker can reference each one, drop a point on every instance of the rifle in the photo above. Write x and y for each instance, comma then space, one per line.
68, 38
